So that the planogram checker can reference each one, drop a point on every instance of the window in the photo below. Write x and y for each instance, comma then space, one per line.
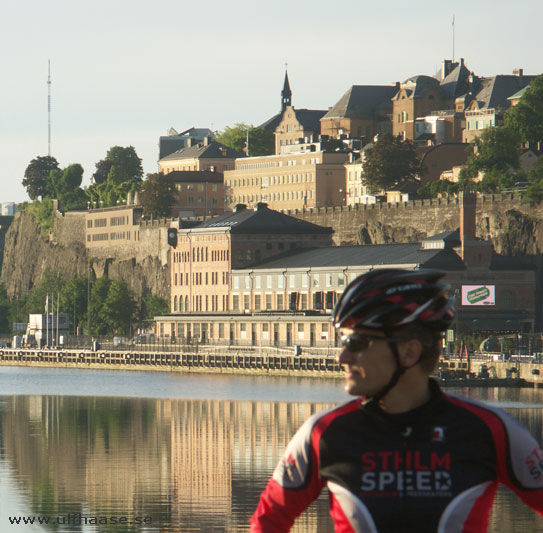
280, 302
281, 281
235, 302
268, 302
245, 301
304, 301
257, 302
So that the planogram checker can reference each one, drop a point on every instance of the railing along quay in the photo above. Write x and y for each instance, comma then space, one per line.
201, 361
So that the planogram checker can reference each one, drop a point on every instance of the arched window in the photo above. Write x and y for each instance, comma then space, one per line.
175, 304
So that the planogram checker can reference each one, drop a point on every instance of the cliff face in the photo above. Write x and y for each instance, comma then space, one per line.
514, 228
28, 254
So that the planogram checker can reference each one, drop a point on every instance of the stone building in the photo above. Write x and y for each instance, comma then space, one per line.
204, 256
363, 111
198, 193
206, 155
309, 177
267, 299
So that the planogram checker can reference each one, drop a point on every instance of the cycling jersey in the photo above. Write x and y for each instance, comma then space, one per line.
435, 468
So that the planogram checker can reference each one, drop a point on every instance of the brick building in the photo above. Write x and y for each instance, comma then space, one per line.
240, 296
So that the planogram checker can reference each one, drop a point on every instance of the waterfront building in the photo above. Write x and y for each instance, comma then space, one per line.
245, 293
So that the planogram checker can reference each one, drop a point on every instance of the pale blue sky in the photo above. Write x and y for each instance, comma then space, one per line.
124, 71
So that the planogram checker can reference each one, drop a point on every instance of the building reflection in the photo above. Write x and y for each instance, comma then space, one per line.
192, 465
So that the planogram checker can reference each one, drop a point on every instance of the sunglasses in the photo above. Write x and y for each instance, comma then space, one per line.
358, 342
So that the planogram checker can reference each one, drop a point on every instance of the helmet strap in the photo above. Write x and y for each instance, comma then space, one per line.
397, 374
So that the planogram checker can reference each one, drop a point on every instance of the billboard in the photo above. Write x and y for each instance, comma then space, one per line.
478, 295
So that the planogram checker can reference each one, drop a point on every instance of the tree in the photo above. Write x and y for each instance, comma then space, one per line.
5, 310
124, 175
99, 292
154, 306
102, 170
65, 185
526, 118
389, 163
261, 141
157, 195
495, 156
118, 308
534, 191
36, 176
73, 300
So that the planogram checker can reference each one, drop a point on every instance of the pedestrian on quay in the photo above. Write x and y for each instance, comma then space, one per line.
402, 456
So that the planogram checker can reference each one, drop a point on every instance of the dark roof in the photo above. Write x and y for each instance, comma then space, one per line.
368, 255
263, 220
272, 123
174, 141
310, 118
494, 92
456, 82
214, 150
362, 101
194, 176
416, 86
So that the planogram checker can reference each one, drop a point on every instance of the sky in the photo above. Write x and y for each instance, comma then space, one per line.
124, 72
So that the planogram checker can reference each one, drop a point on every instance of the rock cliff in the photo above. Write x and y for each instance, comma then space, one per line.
28, 254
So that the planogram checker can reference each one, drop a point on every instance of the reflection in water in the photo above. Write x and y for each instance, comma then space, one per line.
189, 465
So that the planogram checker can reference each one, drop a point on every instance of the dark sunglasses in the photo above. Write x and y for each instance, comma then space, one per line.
358, 342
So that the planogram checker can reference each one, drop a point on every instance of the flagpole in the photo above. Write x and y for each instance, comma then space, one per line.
453, 28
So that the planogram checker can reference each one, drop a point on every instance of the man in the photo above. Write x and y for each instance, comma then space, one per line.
404, 456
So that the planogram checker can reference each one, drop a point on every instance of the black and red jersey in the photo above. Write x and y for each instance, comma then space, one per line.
435, 468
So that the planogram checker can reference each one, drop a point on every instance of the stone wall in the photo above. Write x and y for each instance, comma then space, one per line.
513, 226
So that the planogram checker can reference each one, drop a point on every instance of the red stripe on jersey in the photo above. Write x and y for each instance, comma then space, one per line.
495, 425
341, 522
326, 420
477, 519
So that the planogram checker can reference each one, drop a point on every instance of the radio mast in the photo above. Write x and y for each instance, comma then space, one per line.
49, 109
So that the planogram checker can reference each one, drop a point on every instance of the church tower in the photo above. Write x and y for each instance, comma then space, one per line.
286, 94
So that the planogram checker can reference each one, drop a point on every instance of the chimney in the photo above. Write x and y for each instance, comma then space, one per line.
206, 140
239, 208
261, 206
518, 72
188, 143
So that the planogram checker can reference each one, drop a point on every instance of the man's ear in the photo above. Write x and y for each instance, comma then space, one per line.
410, 352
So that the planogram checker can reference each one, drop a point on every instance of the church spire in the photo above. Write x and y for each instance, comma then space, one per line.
286, 94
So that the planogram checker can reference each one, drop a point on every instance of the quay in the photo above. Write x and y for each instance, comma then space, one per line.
482, 372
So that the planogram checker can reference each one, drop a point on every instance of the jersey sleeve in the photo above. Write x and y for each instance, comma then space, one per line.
294, 485
520, 464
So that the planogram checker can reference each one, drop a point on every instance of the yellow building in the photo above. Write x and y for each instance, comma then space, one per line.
309, 177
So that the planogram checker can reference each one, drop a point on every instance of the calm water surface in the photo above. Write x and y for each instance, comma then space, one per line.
172, 452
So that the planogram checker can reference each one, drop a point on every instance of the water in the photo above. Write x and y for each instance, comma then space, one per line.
171, 452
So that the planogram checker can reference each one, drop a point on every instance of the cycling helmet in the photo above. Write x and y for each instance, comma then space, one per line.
388, 299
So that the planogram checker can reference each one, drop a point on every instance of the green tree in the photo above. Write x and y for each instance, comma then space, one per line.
102, 170
119, 307
36, 177
99, 292
154, 306
73, 300
534, 191
65, 185
389, 163
261, 141
124, 176
5, 310
526, 118
158, 195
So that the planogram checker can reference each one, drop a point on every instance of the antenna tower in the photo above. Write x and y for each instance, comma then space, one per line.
49, 109
453, 31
